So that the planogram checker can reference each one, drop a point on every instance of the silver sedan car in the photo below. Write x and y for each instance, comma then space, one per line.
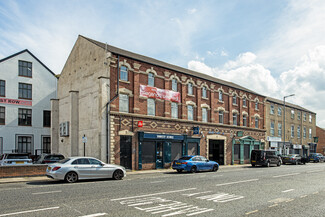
76, 168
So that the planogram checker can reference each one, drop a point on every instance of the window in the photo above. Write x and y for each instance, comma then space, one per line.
151, 107
272, 128
244, 102
292, 131
310, 133
245, 120
256, 105
304, 133
174, 110
94, 161
272, 110
46, 118
237, 152
25, 68
46, 144
204, 114
151, 79
234, 99
24, 144
204, 92
190, 89
234, 119
279, 129
220, 96
305, 116
298, 132
25, 91
124, 73
310, 118
24, 117
220, 117
190, 112
292, 114
174, 85
246, 152
279, 111
123, 103
2, 88
256, 122
298, 115
2, 115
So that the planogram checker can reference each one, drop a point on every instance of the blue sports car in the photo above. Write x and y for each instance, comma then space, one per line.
194, 163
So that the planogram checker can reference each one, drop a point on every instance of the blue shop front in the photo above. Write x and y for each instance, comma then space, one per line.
158, 151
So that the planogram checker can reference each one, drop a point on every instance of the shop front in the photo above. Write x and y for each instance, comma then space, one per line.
242, 148
158, 151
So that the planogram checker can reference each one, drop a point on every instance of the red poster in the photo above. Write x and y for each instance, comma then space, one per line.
156, 93
16, 102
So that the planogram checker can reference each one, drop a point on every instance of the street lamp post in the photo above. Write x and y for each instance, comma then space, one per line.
284, 119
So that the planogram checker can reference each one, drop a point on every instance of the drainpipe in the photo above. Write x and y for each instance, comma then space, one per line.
108, 119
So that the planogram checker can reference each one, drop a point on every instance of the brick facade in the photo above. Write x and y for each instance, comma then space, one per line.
320, 133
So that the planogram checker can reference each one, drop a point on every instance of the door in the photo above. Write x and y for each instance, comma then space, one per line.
126, 151
159, 155
216, 151
99, 170
83, 167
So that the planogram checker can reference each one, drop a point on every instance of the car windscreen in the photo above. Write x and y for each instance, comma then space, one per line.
185, 158
17, 156
63, 161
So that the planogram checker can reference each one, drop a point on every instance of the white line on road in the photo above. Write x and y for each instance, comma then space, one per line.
148, 195
48, 192
248, 213
291, 174
315, 171
274, 205
230, 183
27, 211
94, 215
288, 190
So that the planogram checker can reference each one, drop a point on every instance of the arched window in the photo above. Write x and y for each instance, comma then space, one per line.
124, 73
234, 99
190, 88
220, 96
174, 85
151, 79
204, 92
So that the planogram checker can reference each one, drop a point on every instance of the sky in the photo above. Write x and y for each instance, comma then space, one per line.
275, 48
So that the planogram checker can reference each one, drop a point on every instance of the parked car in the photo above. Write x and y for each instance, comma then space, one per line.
316, 158
193, 164
15, 159
48, 158
265, 158
77, 168
292, 159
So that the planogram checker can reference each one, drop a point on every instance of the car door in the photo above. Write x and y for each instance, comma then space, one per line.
99, 169
83, 167
206, 165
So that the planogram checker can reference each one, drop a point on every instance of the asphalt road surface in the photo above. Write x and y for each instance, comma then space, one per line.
289, 190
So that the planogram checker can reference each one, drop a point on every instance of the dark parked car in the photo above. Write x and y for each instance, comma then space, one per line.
194, 163
48, 158
265, 158
292, 159
316, 157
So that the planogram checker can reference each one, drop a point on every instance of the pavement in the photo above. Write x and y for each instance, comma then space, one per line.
129, 172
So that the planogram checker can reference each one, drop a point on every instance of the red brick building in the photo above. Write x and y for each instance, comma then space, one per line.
320, 133
181, 111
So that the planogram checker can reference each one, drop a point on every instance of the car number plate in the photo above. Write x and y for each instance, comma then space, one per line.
286, 158
254, 161
178, 163
19, 162
311, 159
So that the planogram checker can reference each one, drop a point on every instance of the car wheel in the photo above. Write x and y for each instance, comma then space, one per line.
268, 164
279, 163
179, 171
71, 177
215, 168
193, 169
118, 175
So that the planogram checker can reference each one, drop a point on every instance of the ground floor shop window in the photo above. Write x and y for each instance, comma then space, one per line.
256, 147
236, 152
192, 148
176, 150
24, 144
148, 152
246, 152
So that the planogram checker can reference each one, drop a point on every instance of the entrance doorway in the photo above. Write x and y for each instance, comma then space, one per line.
126, 151
216, 151
159, 155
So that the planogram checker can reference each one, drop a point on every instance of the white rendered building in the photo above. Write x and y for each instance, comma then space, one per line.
26, 88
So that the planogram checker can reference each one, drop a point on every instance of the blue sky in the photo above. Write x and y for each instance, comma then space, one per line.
273, 47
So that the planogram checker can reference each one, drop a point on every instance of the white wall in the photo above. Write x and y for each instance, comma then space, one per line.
44, 88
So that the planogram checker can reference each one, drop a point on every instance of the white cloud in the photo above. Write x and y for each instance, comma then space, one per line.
223, 53
191, 11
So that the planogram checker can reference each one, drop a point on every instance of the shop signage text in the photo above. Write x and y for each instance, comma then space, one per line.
162, 136
156, 93
15, 102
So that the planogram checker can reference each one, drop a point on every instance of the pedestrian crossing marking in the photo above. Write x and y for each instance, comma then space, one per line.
221, 197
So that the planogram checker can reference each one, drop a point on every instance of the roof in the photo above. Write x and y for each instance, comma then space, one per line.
159, 63
23, 51
277, 101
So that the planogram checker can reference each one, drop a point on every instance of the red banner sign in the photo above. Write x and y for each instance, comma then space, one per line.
16, 102
153, 92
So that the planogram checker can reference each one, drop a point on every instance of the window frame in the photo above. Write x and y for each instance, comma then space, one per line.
124, 73
22, 91
292, 131
310, 133
46, 144
124, 101
257, 123
234, 99
292, 114
190, 88
279, 111
272, 109
221, 120
45, 113
22, 68
174, 85
204, 115
28, 118
151, 79
244, 102
190, 112
245, 120
2, 113
220, 96
310, 118
2, 88
305, 133
298, 132
280, 129
174, 110
235, 119
151, 107
256, 105
204, 92
272, 131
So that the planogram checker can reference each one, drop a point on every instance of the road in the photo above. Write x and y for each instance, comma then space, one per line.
289, 190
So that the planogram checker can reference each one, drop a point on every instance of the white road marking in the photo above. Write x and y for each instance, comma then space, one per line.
94, 215
303, 196
291, 174
156, 182
248, 213
274, 205
28, 211
48, 192
148, 195
190, 195
288, 190
315, 171
221, 197
290, 200
230, 183
316, 192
